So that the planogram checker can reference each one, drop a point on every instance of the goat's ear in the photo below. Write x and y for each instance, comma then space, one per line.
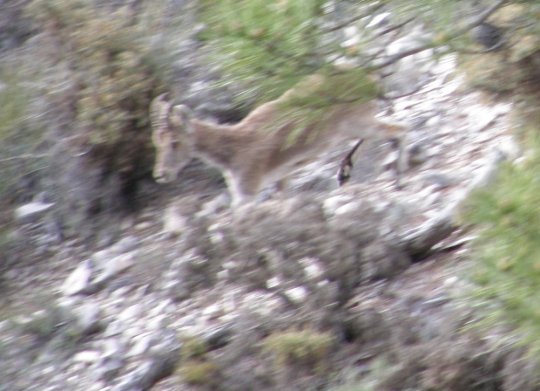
160, 100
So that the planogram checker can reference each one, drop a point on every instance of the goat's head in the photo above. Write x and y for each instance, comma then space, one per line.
171, 136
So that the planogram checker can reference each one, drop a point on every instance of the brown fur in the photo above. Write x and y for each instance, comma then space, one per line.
265, 146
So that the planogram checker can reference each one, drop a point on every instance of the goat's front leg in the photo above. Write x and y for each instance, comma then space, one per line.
242, 188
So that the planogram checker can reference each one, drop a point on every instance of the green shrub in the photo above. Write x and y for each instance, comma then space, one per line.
13, 100
505, 267
194, 348
196, 368
198, 373
264, 46
305, 347
113, 74
19, 140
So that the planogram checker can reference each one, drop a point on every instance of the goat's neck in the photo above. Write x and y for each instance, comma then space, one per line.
218, 144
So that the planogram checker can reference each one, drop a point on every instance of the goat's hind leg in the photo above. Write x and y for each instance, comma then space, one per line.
401, 162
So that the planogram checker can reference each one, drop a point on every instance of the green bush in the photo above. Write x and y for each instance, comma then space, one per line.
505, 268
194, 348
113, 74
264, 46
196, 367
305, 347
198, 373
19, 140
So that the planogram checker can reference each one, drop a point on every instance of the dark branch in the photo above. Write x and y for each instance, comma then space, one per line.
480, 19
353, 19
395, 27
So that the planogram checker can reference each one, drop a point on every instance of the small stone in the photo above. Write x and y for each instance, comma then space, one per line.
347, 208
116, 265
101, 256
173, 221
378, 20
31, 211
212, 311
273, 282
143, 226
112, 347
88, 318
440, 181
131, 313
109, 368
482, 119
297, 294
218, 337
509, 148
163, 360
417, 155
157, 322
312, 269
78, 280
331, 204
141, 345
87, 356
214, 206
125, 245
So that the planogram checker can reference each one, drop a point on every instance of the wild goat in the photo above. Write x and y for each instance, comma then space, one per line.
265, 146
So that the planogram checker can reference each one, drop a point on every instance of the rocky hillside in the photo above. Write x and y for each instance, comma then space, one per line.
359, 287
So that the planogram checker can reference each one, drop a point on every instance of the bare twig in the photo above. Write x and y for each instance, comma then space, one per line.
494, 48
24, 156
481, 18
395, 27
408, 93
353, 19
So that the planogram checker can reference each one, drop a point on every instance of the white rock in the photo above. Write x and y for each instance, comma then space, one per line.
174, 223
297, 294
112, 347
87, 356
131, 313
124, 245
140, 345
509, 148
79, 279
347, 208
88, 317
273, 282
378, 19
143, 226
31, 210
482, 119
116, 265
114, 329
100, 257
214, 206
163, 306
312, 268
212, 311
332, 203
450, 281
157, 323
